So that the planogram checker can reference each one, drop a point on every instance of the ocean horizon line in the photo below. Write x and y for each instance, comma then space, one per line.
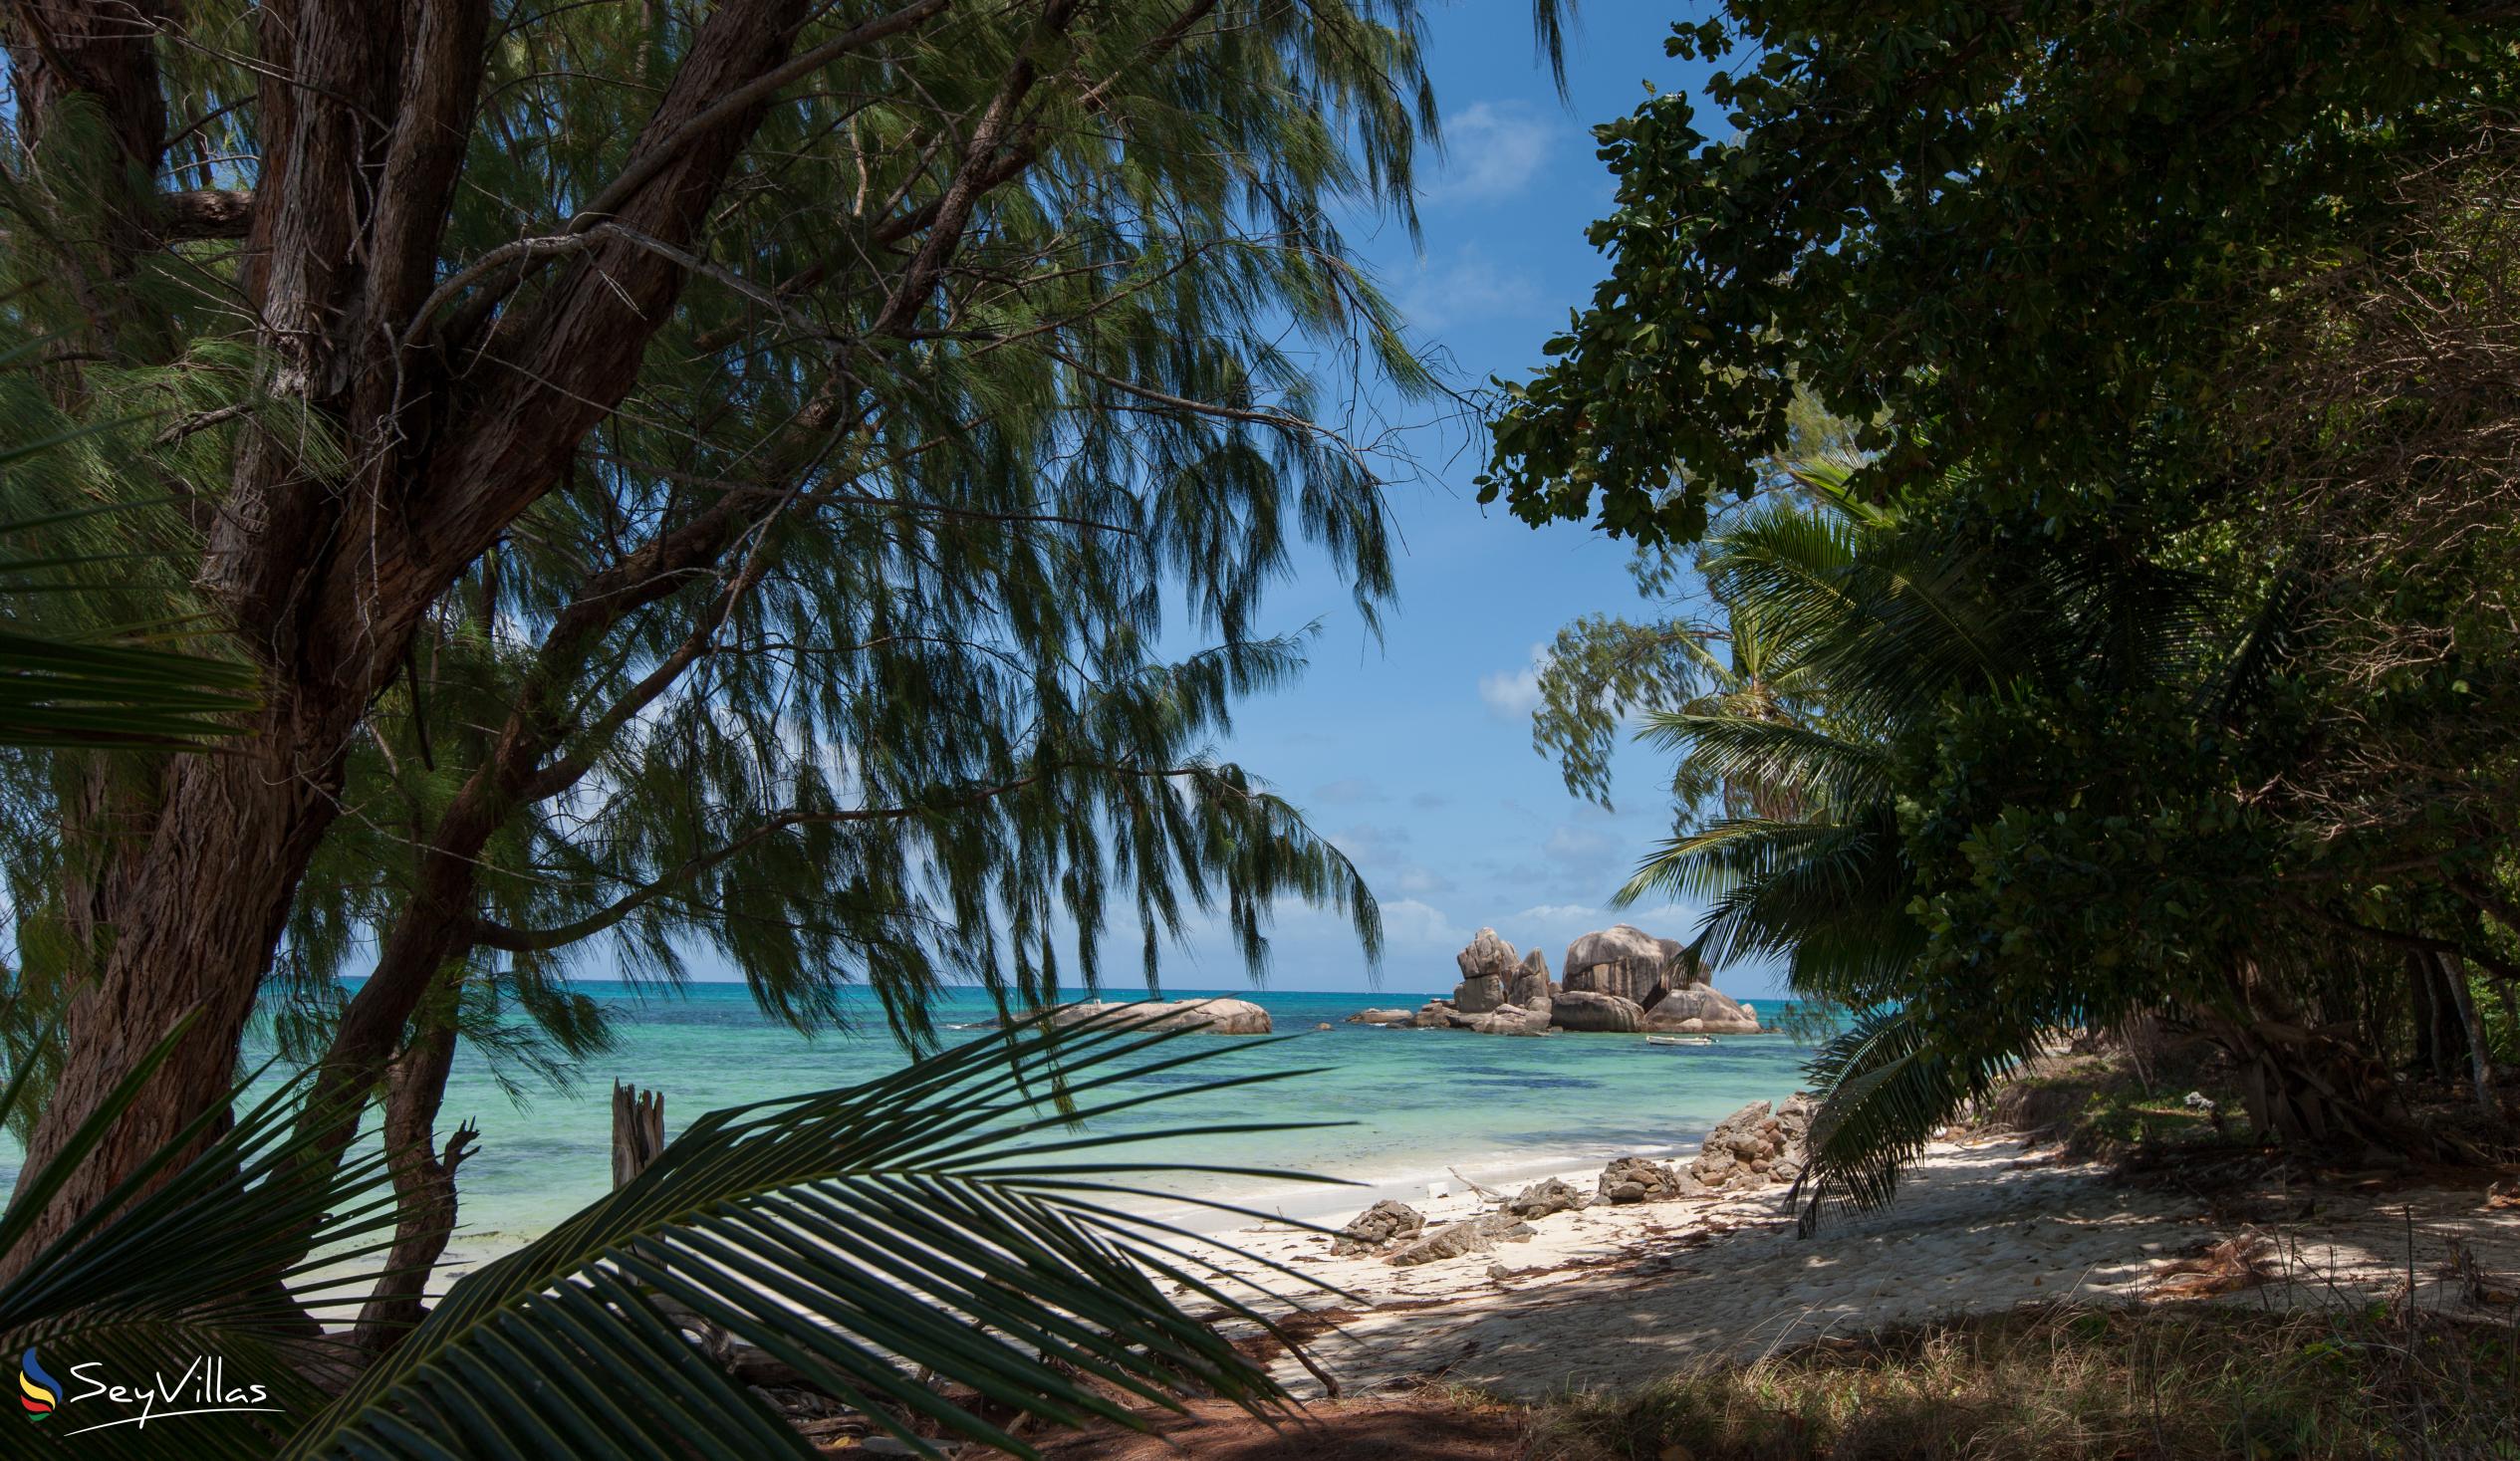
1115, 994
669, 985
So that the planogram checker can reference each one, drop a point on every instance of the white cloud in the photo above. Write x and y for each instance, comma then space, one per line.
1582, 846
1414, 879
1667, 921
1466, 288
1512, 694
1369, 843
1562, 914
1409, 923
1492, 150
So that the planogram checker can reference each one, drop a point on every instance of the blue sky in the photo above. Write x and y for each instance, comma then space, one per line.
1415, 753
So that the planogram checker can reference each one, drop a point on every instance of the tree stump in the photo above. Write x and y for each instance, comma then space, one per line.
638, 1130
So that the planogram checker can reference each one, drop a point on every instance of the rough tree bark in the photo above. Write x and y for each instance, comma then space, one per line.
364, 114
2422, 1008
639, 1132
424, 1187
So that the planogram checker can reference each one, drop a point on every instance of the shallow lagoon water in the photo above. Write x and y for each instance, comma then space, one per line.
1411, 1103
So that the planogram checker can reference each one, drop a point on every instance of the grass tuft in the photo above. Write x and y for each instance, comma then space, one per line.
2073, 1384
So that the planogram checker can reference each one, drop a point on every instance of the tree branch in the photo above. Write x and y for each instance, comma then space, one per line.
499, 936
654, 159
203, 214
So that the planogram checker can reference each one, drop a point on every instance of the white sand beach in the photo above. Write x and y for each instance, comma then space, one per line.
1610, 1297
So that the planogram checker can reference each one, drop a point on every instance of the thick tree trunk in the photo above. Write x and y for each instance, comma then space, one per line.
64, 52
2306, 1087
188, 921
325, 579
2314, 1093
424, 1187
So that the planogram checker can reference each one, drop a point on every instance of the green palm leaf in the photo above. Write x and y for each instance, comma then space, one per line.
1892, 1081
935, 1218
205, 1264
1758, 750
90, 693
947, 1217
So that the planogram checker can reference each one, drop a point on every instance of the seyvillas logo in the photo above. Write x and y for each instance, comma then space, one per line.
200, 1389
36, 1391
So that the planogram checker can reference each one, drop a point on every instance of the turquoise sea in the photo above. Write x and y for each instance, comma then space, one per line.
1413, 1102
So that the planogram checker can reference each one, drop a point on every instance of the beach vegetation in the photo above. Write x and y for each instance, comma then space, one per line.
948, 1220
781, 483
2143, 622
2177, 1382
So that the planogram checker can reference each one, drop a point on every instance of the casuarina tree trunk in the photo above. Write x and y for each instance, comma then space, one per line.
424, 1187
2423, 1010
186, 922
323, 566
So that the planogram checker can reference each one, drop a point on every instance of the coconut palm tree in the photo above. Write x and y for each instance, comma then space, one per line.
1889, 628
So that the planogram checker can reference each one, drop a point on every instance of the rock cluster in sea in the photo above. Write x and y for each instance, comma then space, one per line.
1619, 980
1212, 1016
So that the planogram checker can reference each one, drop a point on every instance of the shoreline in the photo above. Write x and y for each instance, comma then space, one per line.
1612, 1298
1279, 1207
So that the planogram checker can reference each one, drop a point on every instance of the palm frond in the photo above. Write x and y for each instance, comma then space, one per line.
1721, 857
1839, 890
947, 1217
204, 1263
62, 694
1782, 753
1890, 1082
2268, 641
926, 1219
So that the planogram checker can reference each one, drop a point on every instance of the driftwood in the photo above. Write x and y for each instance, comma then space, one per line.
638, 1130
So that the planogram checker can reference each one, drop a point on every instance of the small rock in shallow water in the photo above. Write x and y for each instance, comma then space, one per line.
1213, 1016
1381, 1017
